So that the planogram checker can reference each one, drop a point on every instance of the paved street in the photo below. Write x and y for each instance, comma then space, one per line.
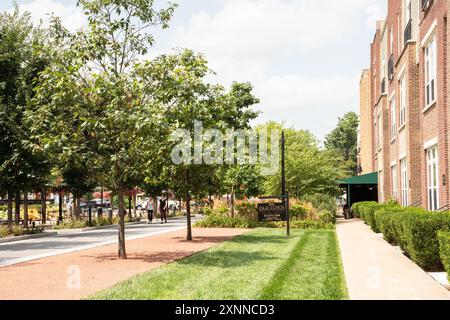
79, 274
22, 251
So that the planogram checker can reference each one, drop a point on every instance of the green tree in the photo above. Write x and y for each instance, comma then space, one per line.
95, 100
243, 181
344, 139
22, 169
309, 169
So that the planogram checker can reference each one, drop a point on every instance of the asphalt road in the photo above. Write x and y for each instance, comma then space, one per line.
27, 250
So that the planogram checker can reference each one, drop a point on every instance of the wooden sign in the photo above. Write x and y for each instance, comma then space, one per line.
272, 212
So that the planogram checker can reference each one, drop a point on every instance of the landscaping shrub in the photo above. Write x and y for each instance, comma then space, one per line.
14, 230
420, 236
247, 210
357, 208
4, 231
327, 217
322, 202
367, 213
298, 212
224, 221
311, 224
444, 249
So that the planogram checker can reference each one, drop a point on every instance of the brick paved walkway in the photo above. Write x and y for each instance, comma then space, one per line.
56, 278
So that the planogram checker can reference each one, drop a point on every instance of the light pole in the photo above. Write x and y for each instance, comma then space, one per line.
283, 179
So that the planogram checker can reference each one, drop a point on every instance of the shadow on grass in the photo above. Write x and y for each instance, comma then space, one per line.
261, 239
226, 259
153, 257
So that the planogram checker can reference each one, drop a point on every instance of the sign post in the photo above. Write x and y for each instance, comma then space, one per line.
277, 211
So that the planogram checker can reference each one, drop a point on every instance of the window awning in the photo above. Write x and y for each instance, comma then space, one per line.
367, 179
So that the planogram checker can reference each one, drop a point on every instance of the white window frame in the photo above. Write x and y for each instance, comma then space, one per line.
393, 108
432, 160
408, 11
404, 177
394, 176
402, 93
430, 65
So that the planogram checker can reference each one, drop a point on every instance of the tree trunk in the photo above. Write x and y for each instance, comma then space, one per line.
134, 208
111, 211
77, 207
17, 208
211, 202
181, 203
25, 209
122, 251
60, 209
44, 206
188, 217
129, 206
232, 204
155, 206
10, 209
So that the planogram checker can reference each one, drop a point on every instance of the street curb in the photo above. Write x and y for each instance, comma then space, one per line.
28, 237
112, 226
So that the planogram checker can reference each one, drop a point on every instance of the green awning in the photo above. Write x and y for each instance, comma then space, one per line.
367, 179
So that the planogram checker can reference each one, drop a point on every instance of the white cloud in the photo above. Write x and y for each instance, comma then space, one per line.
71, 16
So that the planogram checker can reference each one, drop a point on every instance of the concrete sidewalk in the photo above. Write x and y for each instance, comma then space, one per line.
375, 270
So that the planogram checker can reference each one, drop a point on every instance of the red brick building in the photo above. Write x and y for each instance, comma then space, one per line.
408, 74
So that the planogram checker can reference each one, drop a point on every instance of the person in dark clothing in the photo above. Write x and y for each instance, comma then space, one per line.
163, 209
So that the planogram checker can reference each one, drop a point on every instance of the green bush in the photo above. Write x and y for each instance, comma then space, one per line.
298, 212
357, 208
4, 231
311, 224
327, 217
420, 236
444, 248
16, 231
322, 202
367, 213
224, 221
247, 210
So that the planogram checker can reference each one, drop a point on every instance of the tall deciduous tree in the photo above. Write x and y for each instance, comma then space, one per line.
93, 100
22, 169
344, 139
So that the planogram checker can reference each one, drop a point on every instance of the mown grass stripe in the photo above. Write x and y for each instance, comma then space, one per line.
277, 282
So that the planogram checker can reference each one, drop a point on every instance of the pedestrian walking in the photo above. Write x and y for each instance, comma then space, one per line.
150, 210
163, 209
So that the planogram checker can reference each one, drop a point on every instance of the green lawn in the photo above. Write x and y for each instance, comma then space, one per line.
263, 264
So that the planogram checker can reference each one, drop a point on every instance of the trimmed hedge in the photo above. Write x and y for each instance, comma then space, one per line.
413, 229
444, 245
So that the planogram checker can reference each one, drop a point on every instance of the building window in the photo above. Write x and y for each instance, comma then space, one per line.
394, 182
430, 72
392, 39
433, 179
408, 11
404, 181
393, 118
402, 102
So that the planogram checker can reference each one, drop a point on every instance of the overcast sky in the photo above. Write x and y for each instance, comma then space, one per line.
304, 57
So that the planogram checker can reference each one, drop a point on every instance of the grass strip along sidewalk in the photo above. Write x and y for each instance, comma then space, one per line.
263, 264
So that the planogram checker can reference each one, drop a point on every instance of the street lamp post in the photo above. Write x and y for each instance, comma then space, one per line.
283, 179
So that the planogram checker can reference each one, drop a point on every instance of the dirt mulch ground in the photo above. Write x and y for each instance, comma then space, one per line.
79, 274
